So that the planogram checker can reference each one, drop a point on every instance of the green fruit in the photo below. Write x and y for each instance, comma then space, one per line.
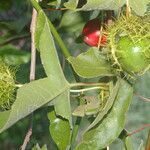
132, 56
7, 86
128, 45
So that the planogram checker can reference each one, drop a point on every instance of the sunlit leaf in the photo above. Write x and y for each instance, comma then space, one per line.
90, 64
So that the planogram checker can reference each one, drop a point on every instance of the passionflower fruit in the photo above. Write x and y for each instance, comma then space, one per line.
131, 56
129, 45
7, 86
92, 35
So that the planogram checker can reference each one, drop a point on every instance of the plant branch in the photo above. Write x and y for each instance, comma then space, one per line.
32, 73
128, 9
138, 130
142, 98
59, 40
33, 48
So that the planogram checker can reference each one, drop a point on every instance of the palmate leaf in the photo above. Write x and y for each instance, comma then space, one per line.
109, 128
34, 95
90, 64
30, 97
50, 62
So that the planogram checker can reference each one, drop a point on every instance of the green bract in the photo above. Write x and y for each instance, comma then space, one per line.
7, 86
129, 40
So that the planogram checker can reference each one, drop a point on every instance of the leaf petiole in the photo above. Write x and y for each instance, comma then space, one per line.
88, 89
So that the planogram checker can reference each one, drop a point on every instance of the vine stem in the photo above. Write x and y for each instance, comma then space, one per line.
59, 40
100, 37
53, 9
140, 129
142, 98
18, 85
87, 84
87, 89
128, 9
32, 73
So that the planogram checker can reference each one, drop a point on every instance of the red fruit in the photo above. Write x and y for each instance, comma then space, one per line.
91, 33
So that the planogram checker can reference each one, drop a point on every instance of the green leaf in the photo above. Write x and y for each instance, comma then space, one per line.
128, 143
59, 130
148, 141
111, 126
30, 97
5, 5
103, 4
90, 108
71, 4
79, 111
15, 26
90, 64
37, 147
3, 118
141, 146
47, 48
72, 21
50, 61
62, 105
108, 105
139, 7
13, 56
53, 3
39, 28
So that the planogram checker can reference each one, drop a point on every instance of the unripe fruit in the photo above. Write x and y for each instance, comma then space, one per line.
7, 86
92, 34
128, 45
132, 56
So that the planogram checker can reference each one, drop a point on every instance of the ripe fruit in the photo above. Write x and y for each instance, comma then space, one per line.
91, 33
